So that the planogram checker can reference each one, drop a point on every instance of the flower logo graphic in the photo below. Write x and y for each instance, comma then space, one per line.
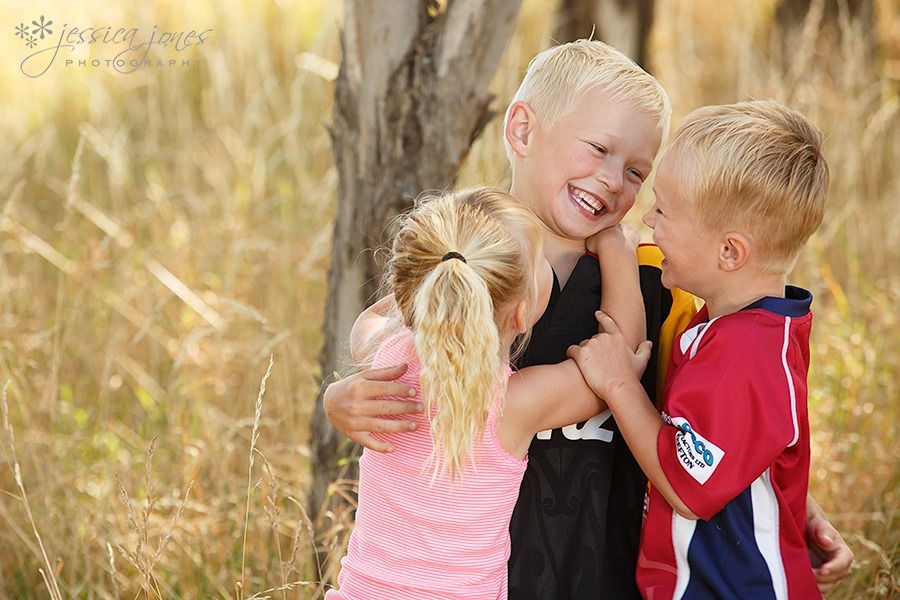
30, 35
42, 27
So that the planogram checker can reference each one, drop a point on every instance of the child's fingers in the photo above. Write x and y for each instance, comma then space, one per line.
379, 383
643, 352
606, 322
385, 374
631, 234
367, 426
379, 425
382, 407
574, 351
367, 440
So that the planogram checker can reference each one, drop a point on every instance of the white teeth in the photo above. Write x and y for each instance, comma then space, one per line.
586, 200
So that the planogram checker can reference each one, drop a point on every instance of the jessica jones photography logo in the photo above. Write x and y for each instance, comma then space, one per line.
125, 49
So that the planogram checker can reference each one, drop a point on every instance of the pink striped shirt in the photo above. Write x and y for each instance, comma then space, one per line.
416, 538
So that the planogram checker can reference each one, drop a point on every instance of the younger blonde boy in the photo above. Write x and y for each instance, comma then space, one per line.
738, 193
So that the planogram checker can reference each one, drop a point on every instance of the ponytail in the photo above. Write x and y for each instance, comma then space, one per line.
458, 343
460, 263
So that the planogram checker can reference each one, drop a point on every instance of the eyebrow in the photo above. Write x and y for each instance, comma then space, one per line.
645, 164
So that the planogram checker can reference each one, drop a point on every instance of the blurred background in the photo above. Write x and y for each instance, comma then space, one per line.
165, 231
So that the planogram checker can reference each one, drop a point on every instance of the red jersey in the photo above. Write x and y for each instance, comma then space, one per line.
736, 451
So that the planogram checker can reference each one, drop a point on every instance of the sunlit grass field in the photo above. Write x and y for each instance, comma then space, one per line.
165, 232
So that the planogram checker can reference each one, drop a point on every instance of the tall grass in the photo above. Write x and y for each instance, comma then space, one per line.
163, 233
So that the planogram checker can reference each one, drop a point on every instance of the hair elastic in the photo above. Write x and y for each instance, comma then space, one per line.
450, 255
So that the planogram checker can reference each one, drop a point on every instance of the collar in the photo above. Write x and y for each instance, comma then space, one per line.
796, 302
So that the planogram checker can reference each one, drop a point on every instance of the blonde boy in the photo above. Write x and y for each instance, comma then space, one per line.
738, 193
582, 133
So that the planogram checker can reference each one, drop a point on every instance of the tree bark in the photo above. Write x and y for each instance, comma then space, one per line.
410, 98
624, 24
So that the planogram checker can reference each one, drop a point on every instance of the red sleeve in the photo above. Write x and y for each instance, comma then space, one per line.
729, 416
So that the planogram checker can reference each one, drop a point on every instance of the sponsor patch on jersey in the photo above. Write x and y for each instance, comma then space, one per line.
697, 455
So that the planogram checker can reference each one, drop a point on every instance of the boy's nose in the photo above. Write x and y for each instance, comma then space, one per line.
611, 176
649, 218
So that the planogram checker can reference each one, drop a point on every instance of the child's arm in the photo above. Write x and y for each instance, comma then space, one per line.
618, 382
550, 396
544, 397
368, 325
616, 250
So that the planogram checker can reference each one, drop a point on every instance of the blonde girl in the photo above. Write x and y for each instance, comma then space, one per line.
468, 279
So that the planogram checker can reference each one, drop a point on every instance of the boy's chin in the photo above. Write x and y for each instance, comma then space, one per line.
584, 229
666, 279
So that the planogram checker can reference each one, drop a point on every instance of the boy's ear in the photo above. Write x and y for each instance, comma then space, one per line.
734, 251
519, 127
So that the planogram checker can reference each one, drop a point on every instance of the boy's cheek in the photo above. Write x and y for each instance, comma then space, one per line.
626, 202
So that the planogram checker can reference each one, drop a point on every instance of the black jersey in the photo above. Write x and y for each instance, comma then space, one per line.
576, 525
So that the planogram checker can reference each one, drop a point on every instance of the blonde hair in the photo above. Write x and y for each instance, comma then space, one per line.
758, 166
557, 79
455, 307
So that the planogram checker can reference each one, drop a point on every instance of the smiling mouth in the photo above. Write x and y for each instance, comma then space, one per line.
588, 201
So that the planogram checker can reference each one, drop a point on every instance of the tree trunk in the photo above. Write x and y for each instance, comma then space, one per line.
410, 99
624, 24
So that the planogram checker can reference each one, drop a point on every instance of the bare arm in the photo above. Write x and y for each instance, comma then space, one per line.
549, 396
830, 555
368, 325
618, 382
616, 250
640, 425
544, 397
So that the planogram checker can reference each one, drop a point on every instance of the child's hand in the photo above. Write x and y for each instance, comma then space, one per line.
607, 361
830, 555
362, 404
618, 237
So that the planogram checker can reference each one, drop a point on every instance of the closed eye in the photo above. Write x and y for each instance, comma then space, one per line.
600, 149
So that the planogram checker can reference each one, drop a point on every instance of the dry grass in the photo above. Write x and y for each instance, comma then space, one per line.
163, 233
